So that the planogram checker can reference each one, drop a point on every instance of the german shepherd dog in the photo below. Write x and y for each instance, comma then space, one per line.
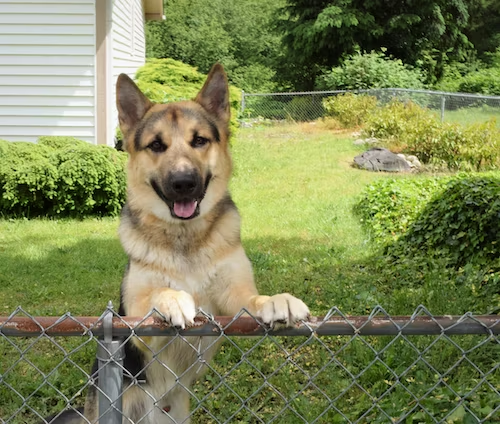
181, 232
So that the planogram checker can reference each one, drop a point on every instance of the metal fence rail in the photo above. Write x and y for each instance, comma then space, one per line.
337, 368
308, 106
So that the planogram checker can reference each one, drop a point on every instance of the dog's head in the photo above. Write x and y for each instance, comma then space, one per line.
179, 161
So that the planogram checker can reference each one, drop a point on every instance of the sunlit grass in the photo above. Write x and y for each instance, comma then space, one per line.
468, 116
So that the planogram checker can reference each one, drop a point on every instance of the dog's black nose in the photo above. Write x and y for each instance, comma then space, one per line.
183, 183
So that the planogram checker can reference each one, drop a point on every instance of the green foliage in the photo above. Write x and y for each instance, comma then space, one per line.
474, 76
412, 129
253, 78
445, 228
459, 223
268, 107
60, 142
474, 147
426, 34
484, 81
304, 108
168, 80
237, 34
483, 28
387, 207
370, 70
350, 109
60, 176
391, 121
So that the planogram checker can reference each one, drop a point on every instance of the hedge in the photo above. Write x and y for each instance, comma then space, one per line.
60, 176
443, 227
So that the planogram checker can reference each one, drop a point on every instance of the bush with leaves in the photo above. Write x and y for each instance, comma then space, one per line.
350, 109
447, 226
484, 81
459, 223
168, 80
60, 176
370, 70
304, 108
392, 120
387, 207
405, 126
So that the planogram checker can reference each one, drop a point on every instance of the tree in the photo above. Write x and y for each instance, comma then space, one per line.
484, 27
319, 33
237, 34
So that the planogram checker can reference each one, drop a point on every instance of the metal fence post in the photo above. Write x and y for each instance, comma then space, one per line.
242, 102
110, 355
443, 102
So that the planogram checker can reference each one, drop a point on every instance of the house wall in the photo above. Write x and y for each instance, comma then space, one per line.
129, 43
47, 69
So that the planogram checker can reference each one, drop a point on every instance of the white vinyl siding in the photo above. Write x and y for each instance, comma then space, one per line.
129, 45
47, 69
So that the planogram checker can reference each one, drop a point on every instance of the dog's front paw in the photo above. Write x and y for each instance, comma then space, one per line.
177, 307
284, 309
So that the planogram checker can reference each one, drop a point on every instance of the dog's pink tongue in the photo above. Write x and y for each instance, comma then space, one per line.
185, 209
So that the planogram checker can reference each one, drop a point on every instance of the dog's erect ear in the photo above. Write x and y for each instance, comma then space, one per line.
214, 96
132, 105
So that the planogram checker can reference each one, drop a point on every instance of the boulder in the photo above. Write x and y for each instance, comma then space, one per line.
380, 159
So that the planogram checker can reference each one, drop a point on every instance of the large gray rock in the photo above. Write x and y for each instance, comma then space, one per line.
380, 159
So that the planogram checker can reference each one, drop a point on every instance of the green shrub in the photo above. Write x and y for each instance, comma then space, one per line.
482, 146
387, 207
460, 223
253, 78
267, 107
474, 147
409, 128
350, 109
484, 81
60, 176
437, 228
433, 142
168, 80
472, 77
304, 108
370, 70
392, 120
60, 142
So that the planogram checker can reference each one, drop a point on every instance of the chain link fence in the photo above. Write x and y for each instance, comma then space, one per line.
308, 106
333, 369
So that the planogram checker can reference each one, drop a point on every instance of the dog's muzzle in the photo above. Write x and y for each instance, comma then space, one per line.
183, 193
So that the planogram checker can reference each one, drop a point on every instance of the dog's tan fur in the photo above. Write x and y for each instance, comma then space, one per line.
178, 266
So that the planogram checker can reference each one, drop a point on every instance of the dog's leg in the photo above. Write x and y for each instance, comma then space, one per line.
238, 291
91, 410
176, 306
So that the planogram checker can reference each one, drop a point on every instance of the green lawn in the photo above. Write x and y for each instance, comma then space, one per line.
295, 190
473, 115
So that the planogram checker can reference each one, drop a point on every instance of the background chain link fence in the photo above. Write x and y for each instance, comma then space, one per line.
308, 106
333, 369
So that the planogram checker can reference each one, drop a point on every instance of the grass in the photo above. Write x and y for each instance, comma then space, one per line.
472, 115
295, 190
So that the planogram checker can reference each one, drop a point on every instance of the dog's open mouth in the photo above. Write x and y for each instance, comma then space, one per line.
185, 209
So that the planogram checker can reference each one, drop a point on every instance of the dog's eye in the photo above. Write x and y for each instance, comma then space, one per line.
157, 146
199, 141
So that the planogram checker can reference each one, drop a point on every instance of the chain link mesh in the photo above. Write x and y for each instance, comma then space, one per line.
333, 369
308, 106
